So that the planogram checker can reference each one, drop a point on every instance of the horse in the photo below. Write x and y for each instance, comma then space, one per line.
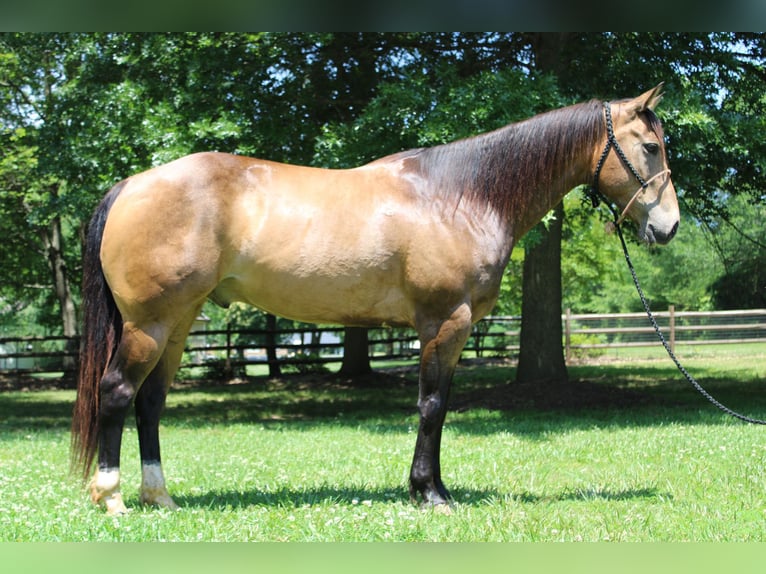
419, 238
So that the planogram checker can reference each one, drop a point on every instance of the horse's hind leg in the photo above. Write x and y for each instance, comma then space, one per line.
136, 356
150, 403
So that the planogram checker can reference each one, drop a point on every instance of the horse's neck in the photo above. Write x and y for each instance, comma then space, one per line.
517, 173
539, 166
543, 198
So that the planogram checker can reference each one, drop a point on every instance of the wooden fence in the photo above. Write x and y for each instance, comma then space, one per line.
604, 331
584, 334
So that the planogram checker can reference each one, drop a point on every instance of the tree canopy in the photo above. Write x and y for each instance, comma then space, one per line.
79, 112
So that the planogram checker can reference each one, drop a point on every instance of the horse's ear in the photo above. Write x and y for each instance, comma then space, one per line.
648, 100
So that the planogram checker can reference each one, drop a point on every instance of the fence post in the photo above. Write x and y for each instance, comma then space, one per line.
271, 346
672, 321
567, 334
227, 365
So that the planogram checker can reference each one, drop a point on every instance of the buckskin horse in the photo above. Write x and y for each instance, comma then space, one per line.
419, 238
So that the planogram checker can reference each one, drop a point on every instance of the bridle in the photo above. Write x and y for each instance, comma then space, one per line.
611, 143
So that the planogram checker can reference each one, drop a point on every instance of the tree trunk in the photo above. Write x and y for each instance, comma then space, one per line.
541, 354
53, 241
275, 370
356, 359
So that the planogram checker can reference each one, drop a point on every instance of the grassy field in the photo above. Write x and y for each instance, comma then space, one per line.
629, 452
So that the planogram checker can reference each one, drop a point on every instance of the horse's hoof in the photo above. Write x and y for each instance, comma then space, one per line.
160, 499
443, 509
114, 505
105, 490
440, 506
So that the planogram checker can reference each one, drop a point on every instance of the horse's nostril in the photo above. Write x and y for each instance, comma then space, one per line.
672, 233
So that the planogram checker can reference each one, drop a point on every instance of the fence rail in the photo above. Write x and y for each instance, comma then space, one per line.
583, 334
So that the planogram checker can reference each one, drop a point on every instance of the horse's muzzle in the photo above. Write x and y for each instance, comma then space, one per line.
660, 236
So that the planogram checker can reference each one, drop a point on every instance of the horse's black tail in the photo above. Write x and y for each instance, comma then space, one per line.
102, 328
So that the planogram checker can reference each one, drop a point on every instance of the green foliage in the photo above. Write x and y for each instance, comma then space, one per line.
79, 112
25, 208
595, 275
431, 107
221, 370
583, 339
740, 241
717, 264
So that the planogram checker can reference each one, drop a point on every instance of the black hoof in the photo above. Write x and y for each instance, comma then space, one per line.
432, 495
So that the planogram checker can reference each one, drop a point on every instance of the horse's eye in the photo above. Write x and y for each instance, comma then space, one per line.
652, 148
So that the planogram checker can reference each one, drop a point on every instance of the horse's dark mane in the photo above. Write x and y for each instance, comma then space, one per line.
501, 169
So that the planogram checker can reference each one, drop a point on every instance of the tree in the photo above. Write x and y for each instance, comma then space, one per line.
29, 74
78, 112
24, 267
740, 242
356, 359
541, 355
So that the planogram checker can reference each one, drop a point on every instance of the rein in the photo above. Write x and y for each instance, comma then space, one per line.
596, 196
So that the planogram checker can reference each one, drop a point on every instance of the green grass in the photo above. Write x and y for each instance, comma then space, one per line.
292, 460
685, 351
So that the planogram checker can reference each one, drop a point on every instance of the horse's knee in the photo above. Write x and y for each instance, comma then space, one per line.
431, 409
116, 394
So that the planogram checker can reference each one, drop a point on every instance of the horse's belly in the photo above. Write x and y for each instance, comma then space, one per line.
355, 300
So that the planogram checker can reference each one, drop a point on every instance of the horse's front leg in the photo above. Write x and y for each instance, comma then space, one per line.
441, 345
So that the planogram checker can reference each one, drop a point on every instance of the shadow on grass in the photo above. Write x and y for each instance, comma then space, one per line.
291, 497
595, 494
384, 402
642, 396
25, 412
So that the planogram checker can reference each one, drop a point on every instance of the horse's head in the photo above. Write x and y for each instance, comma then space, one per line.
632, 170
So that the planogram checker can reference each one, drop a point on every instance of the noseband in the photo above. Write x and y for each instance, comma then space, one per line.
611, 142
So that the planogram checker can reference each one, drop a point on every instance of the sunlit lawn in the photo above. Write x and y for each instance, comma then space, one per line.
298, 459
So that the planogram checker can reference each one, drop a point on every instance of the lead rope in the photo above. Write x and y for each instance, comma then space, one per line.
665, 344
